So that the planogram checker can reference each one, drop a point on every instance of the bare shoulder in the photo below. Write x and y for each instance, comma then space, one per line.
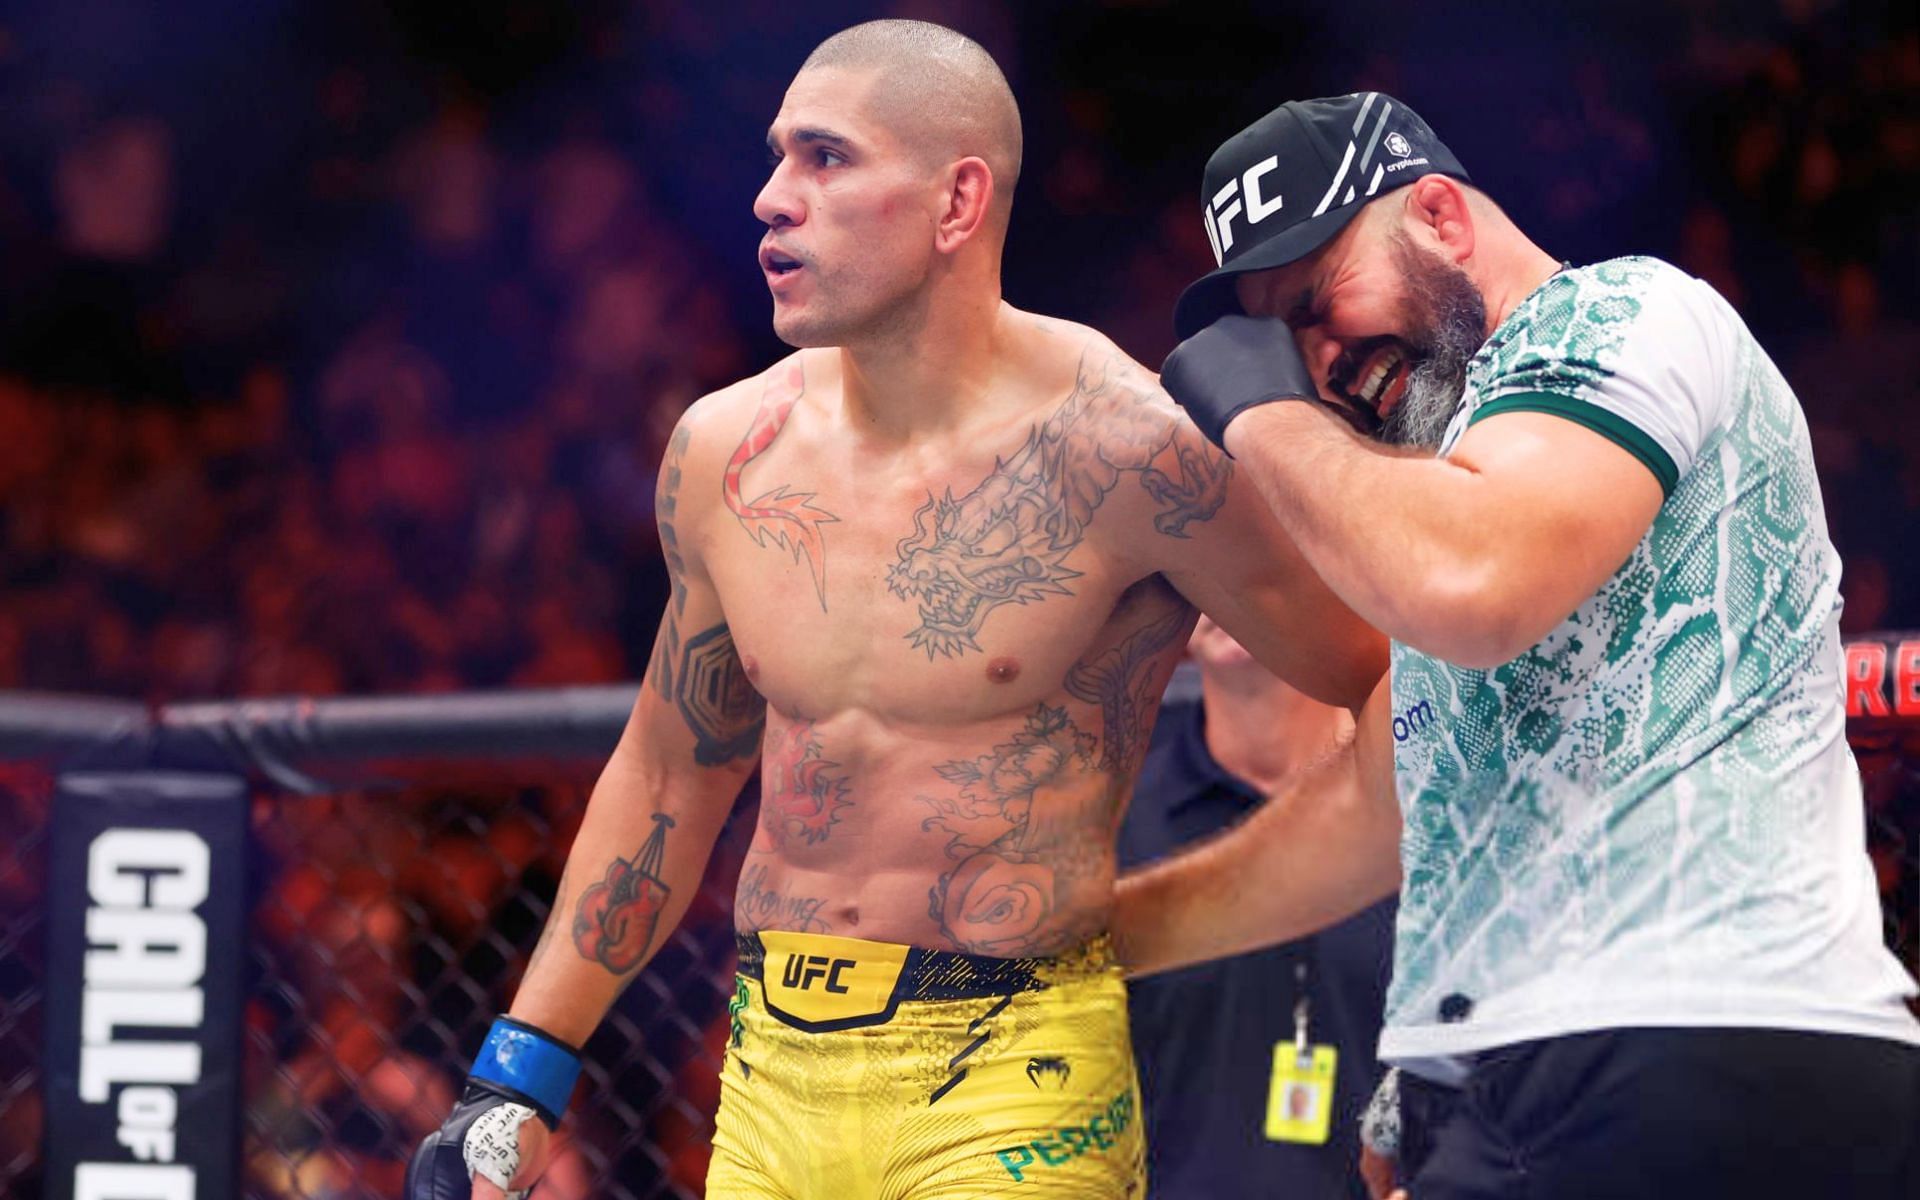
1118, 421
1068, 346
728, 409
1093, 364
712, 427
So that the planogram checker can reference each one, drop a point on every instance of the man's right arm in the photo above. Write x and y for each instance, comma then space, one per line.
691, 741
650, 825
1320, 850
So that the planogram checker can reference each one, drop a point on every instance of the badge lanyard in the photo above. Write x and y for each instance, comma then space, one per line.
1300, 1100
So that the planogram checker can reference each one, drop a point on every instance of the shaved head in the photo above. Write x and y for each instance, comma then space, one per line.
938, 91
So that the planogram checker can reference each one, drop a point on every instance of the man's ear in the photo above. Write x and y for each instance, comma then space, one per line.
969, 197
1440, 216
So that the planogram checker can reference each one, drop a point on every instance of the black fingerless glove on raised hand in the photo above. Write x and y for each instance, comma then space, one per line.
521, 1073
1232, 365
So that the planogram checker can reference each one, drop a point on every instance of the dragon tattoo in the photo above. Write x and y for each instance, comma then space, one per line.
802, 798
1008, 540
779, 517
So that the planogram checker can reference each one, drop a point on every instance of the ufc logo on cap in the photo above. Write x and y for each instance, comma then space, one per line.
1227, 204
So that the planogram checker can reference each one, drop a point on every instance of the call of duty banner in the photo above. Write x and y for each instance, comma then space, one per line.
145, 947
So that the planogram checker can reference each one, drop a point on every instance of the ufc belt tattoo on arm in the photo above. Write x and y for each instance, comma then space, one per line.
1007, 541
701, 674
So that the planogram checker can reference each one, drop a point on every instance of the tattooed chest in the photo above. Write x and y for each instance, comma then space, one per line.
985, 566
861, 652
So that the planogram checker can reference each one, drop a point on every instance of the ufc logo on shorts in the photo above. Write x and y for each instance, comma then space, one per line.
1227, 205
803, 970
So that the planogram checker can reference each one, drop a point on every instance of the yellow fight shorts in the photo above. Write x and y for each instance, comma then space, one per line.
873, 1071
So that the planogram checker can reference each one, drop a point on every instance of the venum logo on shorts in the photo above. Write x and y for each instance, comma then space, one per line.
1097, 1135
1054, 1071
1415, 720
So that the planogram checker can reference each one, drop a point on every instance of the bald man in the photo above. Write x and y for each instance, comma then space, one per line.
931, 573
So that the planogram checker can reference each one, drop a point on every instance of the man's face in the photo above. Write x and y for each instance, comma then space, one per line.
1387, 327
850, 214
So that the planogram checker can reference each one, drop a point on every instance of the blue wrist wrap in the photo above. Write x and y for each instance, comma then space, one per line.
530, 1062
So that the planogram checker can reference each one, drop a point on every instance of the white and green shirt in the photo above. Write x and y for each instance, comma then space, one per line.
1652, 816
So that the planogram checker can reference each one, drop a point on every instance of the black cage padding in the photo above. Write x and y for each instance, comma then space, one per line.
314, 746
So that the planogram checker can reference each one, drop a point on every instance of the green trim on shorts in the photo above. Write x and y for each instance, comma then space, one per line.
1610, 425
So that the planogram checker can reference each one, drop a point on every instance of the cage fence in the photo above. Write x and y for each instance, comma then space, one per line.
385, 931
387, 927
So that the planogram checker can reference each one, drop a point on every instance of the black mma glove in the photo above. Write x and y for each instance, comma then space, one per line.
1232, 365
521, 1073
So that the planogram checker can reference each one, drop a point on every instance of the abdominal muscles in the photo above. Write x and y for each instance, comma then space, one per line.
1000, 842
991, 836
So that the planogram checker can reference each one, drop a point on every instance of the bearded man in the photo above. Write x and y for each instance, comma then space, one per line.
1638, 947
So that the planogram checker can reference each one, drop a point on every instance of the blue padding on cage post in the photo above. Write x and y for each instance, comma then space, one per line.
533, 1063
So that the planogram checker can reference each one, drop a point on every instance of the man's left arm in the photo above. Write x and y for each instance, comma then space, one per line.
1471, 558
1321, 849
1240, 566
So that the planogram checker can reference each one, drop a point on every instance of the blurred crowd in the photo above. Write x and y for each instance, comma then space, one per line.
340, 344
454, 489
371, 397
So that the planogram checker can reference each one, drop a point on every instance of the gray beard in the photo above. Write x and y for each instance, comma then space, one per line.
1433, 395
1451, 317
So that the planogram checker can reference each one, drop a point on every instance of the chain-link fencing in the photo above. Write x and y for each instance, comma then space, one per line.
25, 804
386, 930
1890, 771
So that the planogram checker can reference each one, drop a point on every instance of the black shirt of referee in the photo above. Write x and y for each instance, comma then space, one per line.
1204, 1036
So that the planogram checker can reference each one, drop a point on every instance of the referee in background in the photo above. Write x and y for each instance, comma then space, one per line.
1253, 1069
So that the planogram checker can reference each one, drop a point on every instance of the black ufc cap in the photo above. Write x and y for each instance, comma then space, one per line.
1282, 187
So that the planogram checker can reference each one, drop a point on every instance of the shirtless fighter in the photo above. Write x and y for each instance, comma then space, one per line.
931, 572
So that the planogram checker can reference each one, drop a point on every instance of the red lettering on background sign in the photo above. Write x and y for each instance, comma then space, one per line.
1906, 679
1866, 677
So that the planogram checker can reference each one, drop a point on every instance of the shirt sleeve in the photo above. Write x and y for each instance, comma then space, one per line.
1645, 367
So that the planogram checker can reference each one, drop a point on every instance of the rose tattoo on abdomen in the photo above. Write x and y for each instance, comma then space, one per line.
1016, 831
